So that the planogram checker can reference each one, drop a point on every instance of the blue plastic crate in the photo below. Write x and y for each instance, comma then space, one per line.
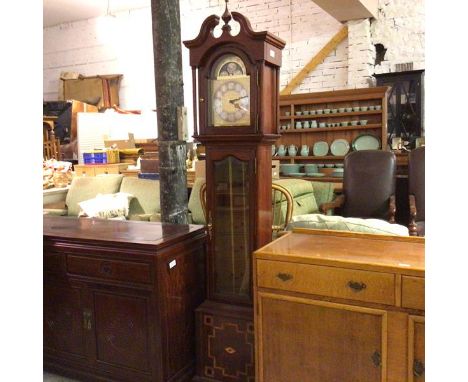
95, 158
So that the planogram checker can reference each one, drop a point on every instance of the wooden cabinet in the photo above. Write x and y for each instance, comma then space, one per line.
342, 116
98, 169
358, 303
120, 299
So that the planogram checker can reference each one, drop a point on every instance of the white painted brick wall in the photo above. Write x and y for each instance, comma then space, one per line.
304, 26
92, 47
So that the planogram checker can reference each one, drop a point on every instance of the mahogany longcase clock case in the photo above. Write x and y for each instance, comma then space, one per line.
236, 113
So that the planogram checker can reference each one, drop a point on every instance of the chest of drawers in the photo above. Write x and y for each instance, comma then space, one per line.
339, 307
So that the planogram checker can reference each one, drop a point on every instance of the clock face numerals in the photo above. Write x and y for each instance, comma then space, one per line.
231, 102
229, 92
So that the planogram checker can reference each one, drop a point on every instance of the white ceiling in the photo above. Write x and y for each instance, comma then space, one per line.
61, 11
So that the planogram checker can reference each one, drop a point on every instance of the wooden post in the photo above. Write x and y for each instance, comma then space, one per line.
169, 95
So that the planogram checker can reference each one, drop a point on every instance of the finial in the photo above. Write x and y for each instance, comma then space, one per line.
226, 18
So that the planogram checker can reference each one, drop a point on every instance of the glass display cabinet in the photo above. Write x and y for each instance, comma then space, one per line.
405, 107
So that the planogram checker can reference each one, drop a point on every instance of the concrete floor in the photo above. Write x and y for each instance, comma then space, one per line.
49, 377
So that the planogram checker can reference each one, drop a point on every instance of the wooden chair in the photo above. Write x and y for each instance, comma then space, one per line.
416, 178
368, 186
282, 209
51, 145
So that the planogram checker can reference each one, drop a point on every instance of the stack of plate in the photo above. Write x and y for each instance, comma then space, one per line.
338, 172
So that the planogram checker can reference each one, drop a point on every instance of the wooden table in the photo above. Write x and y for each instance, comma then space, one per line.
334, 306
119, 298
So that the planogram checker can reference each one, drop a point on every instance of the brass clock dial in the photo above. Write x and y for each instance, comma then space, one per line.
229, 92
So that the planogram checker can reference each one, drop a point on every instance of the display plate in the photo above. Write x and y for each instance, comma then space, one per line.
339, 147
366, 142
320, 149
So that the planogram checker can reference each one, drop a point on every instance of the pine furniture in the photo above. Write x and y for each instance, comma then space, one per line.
333, 306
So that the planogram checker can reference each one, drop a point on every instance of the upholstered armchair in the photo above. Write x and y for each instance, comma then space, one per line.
368, 186
416, 178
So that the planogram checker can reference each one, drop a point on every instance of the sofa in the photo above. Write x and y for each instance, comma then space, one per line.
143, 204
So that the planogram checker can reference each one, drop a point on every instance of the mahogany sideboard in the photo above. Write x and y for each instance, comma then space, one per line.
120, 298
334, 306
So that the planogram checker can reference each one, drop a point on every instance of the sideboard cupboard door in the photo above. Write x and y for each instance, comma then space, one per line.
306, 336
121, 330
64, 330
416, 345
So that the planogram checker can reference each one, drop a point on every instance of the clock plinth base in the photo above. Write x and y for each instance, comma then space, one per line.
225, 343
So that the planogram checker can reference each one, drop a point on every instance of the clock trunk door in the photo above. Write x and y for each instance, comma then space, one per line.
230, 211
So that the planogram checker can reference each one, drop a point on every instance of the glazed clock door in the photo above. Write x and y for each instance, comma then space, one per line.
231, 215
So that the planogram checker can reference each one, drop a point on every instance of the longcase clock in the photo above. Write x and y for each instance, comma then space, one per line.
236, 98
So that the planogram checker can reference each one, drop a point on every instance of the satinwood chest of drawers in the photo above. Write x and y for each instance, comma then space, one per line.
334, 306
120, 298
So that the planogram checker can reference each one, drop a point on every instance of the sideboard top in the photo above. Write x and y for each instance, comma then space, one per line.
359, 251
131, 232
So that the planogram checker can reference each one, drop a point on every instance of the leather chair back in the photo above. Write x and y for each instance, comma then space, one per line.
368, 184
416, 178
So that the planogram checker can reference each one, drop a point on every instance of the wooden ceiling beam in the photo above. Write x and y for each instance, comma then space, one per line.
315, 61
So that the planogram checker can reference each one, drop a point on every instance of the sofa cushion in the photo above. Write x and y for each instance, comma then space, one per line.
106, 206
146, 197
296, 187
340, 223
83, 188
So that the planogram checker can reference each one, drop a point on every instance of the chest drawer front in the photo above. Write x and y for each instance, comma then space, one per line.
84, 171
327, 281
412, 292
109, 269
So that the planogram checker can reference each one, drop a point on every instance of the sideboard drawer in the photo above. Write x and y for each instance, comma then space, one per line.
327, 281
109, 269
412, 292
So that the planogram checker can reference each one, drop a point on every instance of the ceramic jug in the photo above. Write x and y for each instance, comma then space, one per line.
298, 125
281, 151
292, 150
273, 150
313, 124
306, 125
304, 150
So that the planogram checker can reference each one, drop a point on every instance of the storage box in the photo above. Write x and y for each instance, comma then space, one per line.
101, 156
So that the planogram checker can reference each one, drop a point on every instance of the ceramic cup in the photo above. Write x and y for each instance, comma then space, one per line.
356, 108
320, 165
354, 123
312, 112
326, 111
329, 165
363, 108
344, 123
287, 113
378, 107
298, 112
342, 109
322, 124
334, 111
371, 107
363, 122
329, 124
349, 109
306, 112
319, 111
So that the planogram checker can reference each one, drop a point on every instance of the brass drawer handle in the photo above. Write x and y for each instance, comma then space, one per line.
418, 368
87, 319
284, 276
356, 286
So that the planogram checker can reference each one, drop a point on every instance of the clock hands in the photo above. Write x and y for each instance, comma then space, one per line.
237, 106
237, 99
